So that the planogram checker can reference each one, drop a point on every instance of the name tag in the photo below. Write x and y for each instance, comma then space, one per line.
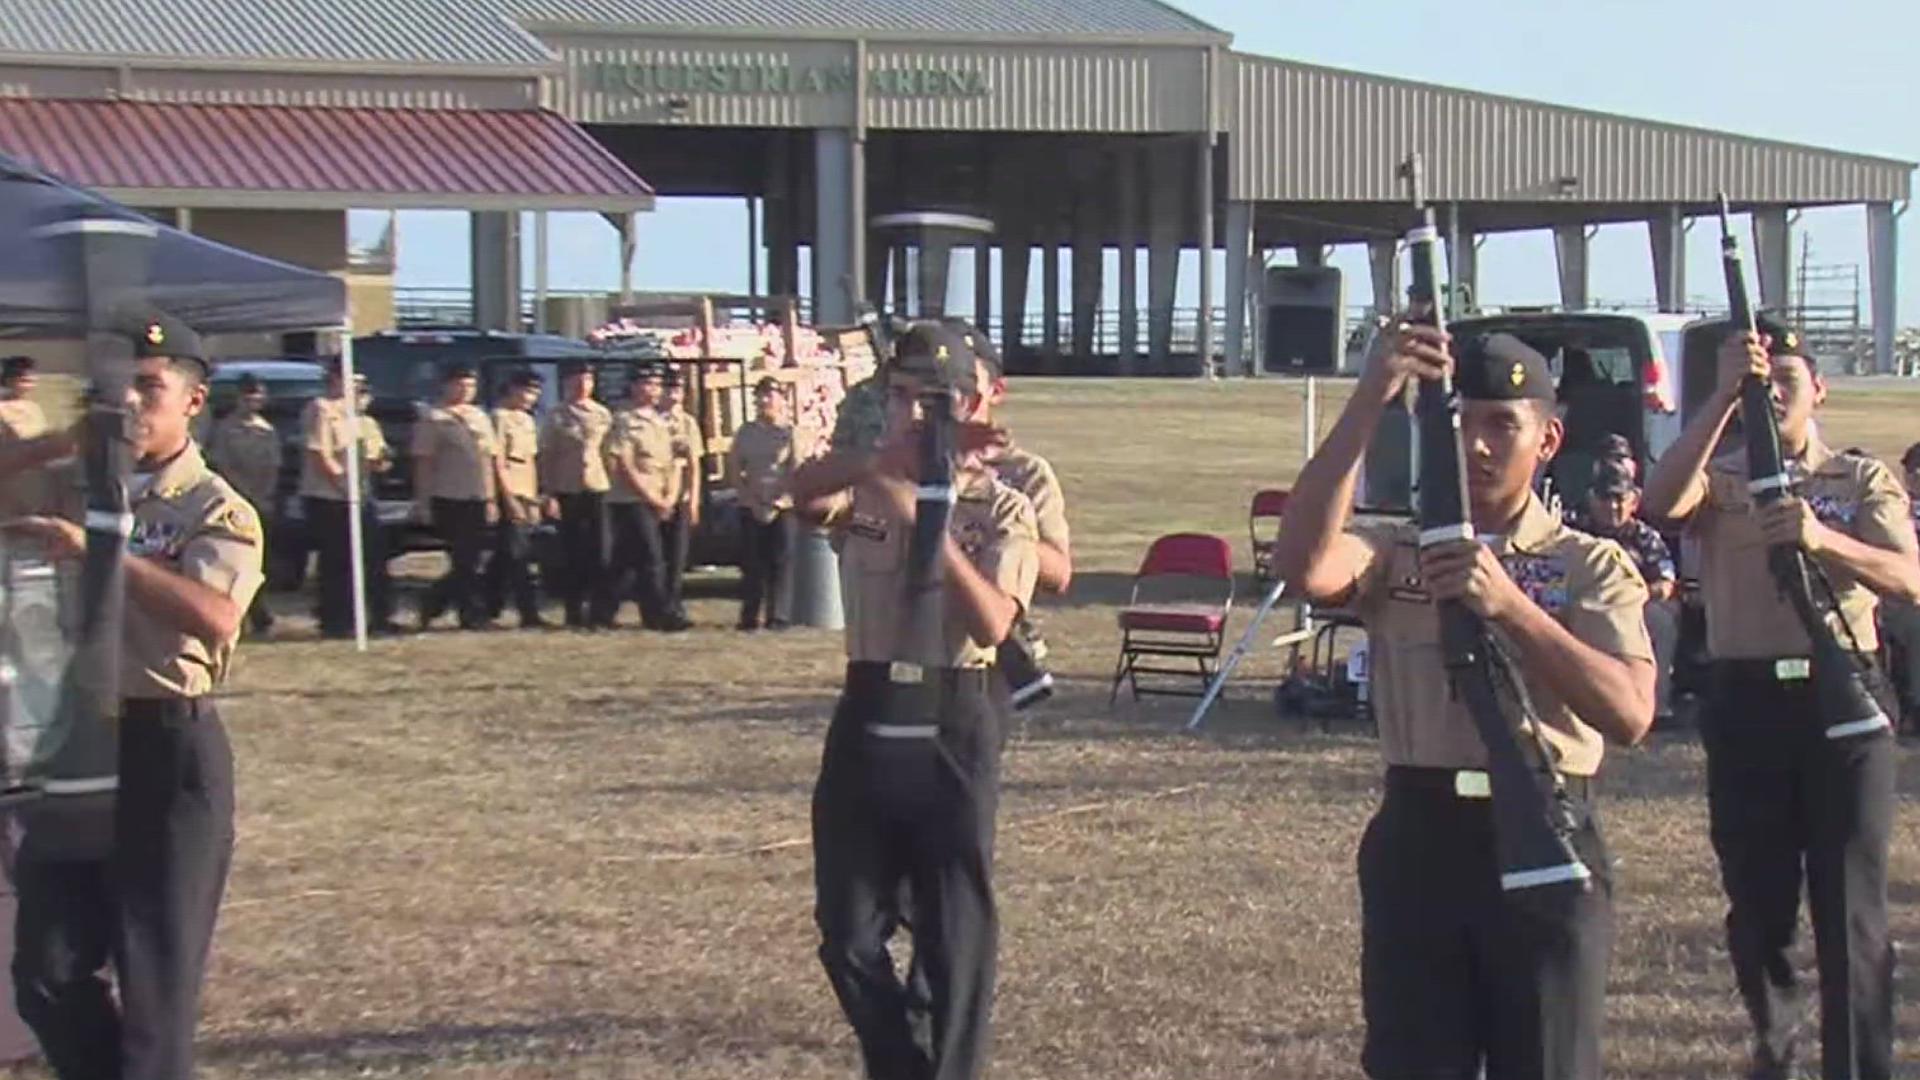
1471, 784
1794, 670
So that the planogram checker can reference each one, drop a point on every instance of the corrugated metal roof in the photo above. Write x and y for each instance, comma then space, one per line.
401, 32
312, 156
1299, 132
1101, 18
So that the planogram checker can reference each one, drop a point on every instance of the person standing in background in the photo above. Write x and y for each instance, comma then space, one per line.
571, 462
455, 483
761, 462
689, 451
245, 449
511, 567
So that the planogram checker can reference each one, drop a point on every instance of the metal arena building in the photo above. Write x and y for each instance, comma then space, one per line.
1075, 126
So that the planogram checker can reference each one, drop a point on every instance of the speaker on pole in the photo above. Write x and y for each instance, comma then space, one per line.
1303, 324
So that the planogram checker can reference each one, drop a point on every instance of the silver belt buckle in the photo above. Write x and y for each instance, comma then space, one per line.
1796, 669
1472, 784
902, 672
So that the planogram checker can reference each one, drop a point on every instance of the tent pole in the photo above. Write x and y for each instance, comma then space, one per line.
355, 554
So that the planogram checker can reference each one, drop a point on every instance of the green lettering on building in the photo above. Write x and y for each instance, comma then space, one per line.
797, 80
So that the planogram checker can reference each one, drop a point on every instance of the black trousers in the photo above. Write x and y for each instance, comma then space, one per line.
1457, 975
763, 568
916, 812
676, 536
148, 909
583, 540
639, 564
510, 571
462, 525
1789, 806
331, 536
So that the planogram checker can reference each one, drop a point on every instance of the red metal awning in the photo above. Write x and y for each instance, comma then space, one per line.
288, 157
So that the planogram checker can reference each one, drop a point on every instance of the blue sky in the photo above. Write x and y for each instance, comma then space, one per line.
1838, 74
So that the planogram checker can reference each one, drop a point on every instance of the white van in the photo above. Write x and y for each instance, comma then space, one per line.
1618, 372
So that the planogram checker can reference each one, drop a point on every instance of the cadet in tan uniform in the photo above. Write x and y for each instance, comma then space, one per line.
245, 449
1901, 619
573, 474
511, 567
761, 462
641, 463
1455, 976
689, 453
1790, 801
20, 419
453, 477
327, 438
148, 909
914, 803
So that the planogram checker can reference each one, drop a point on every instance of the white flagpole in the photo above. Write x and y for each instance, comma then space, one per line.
355, 554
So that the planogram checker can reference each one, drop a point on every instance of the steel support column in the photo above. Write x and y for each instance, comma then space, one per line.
1882, 282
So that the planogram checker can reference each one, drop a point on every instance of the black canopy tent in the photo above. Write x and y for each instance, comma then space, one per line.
214, 288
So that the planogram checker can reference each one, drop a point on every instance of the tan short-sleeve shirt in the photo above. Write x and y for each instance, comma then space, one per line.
246, 450
689, 447
519, 450
643, 439
572, 457
1747, 619
324, 431
460, 441
992, 523
1032, 476
1589, 585
28, 492
761, 461
195, 524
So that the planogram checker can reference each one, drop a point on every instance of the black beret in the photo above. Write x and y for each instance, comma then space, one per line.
981, 344
669, 375
459, 369
570, 368
522, 377
1616, 445
154, 333
1911, 458
1501, 367
767, 385
649, 369
1783, 339
934, 350
15, 366
250, 382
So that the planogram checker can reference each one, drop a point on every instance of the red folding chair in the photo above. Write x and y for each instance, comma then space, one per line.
1188, 631
1267, 508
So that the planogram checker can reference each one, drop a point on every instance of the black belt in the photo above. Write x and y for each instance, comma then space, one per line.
878, 682
1470, 784
148, 709
1776, 669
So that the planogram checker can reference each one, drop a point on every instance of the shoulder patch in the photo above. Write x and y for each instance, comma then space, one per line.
238, 518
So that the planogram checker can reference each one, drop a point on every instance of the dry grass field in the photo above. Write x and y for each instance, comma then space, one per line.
509, 855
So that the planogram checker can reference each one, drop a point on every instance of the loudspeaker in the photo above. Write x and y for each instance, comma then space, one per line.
1303, 324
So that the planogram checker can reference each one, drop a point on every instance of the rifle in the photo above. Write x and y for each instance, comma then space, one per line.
78, 752
1848, 707
1532, 818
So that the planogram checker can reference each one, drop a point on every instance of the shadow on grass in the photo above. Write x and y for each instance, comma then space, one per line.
556, 1037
